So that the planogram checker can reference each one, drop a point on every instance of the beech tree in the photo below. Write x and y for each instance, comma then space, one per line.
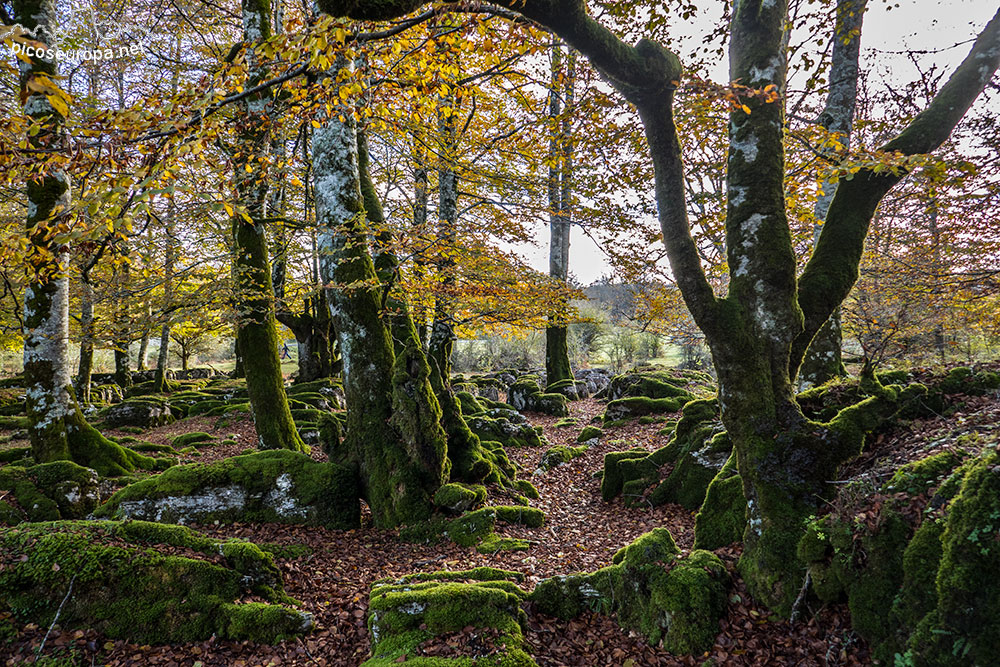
57, 427
257, 335
759, 331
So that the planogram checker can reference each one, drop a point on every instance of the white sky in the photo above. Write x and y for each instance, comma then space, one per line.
911, 24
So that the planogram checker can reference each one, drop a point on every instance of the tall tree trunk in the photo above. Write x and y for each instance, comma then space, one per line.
162, 358
57, 428
122, 324
257, 337
442, 338
557, 366
823, 361
393, 430
421, 190
86, 366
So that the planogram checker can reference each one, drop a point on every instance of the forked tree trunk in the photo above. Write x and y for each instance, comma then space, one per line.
393, 434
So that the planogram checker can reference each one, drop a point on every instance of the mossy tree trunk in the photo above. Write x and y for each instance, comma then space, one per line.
167, 305
760, 331
560, 190
57, 428
823, 361
421, 193
257, 339
85, 367
122, 324
393, 430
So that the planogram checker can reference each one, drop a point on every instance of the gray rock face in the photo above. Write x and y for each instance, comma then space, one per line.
144, 413
276, 486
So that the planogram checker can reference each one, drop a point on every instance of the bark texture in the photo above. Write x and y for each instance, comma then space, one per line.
257, 339
557, 366
393, 432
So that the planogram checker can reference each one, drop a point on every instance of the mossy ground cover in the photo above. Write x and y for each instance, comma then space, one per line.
332, 571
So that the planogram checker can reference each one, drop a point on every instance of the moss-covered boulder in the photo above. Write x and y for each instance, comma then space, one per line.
652, 590
964, 627
558, 455
657, 382
698, 448
144, 412
477, 528
508, 427
524, 394
46, 492
124, 584
590, 435
276, 486
408, 615
457, 498
637, 406
193, 439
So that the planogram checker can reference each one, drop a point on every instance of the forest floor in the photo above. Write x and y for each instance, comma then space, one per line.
581, 533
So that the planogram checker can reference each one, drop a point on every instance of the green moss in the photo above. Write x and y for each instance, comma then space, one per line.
637, 406
501, 427
459, 498
589, 433
470, 404
919, 476
277, 486
722, 518
614, 479
49, 491
526, 489
694, 469
652, 590
918, 595
125, 588
189, 439
568, 422
14, 454
967, 621
412, 610
558, 455
286, 551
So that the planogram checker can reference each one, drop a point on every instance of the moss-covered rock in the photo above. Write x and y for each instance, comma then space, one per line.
698, 448
49, 491
406, 613
637, 406
507, 427
590, 433
145, 412
193, 439
654, 382
614, 475
964, 628
123, 586
278, 486
558, 455
458, 498
652, 589
524, 394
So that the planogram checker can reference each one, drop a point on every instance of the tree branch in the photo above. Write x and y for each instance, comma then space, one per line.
833, 268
